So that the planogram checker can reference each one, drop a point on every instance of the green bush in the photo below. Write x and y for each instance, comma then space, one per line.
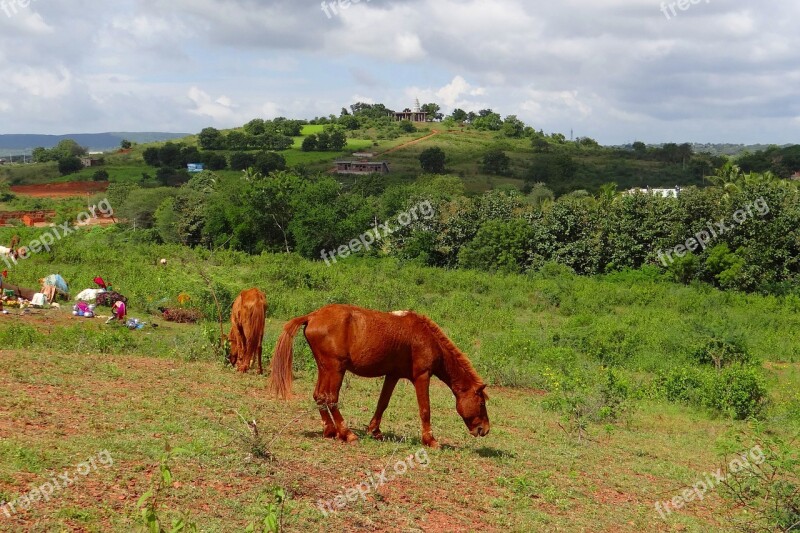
722, 353
738, 391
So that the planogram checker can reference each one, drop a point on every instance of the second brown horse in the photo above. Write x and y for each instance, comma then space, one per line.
400, 345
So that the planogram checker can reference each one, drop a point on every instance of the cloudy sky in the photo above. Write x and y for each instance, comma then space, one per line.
615, 70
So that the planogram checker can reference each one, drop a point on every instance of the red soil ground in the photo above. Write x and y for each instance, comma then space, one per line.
61, 190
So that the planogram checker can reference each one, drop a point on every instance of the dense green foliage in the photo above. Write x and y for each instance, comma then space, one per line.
741, 235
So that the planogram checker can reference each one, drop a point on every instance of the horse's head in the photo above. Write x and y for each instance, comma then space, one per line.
471, 405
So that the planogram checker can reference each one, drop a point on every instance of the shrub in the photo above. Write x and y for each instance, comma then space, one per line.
738, 391
69, 165
100, 175
432, 160
765, 496
681, 385
495, 161
722, 353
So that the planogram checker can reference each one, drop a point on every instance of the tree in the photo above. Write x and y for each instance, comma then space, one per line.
432, 160
459, 115
242, 160
323, 141
338, 140
211, 139
587, 142
69, 165
172, 177
433, 111
495, 161
639, 147
310, 143
499, 245
68, 147
41, 154
348, 121
267, 162
213, 161
488, 120
549, 168
238, 140
170, 155
256, 127
150, 156
513, 127
125, 144
540, 144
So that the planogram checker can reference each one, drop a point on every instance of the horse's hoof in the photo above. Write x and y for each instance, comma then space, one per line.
432, 443
377, 435
350, 438
329, 434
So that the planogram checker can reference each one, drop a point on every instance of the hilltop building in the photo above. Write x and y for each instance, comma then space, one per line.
417, 115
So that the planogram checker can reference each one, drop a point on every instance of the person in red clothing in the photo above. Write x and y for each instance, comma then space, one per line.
119, 310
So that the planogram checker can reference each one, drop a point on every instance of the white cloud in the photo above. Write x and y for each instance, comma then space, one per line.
220, 110
719, 71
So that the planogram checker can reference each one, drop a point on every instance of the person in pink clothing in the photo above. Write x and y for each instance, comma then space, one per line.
119, 310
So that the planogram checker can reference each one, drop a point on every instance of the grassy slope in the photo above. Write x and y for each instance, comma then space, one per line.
84, 388
464, 148
525, 476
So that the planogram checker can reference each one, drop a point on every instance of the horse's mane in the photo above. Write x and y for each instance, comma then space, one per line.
457, 365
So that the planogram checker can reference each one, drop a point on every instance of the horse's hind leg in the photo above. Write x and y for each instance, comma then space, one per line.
259, 352
328, 396
328, 427
389, 384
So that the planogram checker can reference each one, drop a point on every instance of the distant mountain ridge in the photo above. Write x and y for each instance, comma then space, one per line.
20, 143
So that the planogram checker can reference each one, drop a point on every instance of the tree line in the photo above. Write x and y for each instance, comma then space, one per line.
502, 230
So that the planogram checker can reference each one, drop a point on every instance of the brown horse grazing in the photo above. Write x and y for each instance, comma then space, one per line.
247, 329
400, 345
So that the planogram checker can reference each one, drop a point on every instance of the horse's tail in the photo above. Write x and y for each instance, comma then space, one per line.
281, 365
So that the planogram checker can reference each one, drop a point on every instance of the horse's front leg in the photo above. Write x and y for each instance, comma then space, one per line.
421, 385
389, 384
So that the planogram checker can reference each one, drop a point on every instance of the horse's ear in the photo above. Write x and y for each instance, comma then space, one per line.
482, 392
